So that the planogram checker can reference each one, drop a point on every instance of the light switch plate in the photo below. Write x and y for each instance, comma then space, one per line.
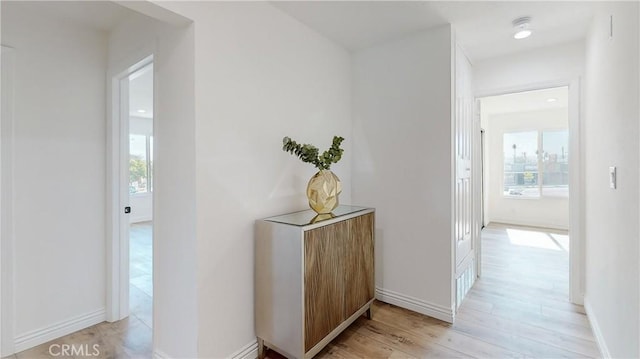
613, 177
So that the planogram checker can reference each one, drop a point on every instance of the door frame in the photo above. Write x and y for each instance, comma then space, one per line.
576, 175
117, 306
7, 239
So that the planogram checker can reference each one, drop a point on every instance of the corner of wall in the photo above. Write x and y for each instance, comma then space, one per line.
249, 351
595, 327
415, 304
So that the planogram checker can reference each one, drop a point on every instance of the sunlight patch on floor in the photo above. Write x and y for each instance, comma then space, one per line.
551, 241
561, 239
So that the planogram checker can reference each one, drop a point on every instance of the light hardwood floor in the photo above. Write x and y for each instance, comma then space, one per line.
519, 308
141, 273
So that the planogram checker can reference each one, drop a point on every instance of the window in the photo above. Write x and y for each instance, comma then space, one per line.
555, 163
521, 164
536, 163
140, 163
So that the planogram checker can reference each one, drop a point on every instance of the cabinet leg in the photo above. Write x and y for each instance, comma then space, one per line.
261, 351
368, 313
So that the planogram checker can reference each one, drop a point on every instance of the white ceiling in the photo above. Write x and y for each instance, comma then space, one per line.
483, 27
359, 24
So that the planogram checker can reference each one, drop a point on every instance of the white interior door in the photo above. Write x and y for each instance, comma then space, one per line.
464, 126
465, 174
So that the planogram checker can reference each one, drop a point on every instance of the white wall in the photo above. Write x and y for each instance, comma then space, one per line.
175, 314
526, 69
260, 75
58, 172
403, 146
611, 134
547, 212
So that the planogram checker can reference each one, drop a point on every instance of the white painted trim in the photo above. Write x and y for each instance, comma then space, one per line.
400, 300
7, 203
525, 223
415, 304
576, 176
524, 88
249, 351
60, 329
595, 327
159, 354
117, 222
577, 244
154, 11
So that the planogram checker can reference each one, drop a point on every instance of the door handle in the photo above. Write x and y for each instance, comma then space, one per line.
127, 209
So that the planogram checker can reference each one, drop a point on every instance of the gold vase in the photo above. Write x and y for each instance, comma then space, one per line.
323, 190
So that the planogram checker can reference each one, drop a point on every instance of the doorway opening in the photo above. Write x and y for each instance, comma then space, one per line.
131, 275
526, 162
140, 191
527, 154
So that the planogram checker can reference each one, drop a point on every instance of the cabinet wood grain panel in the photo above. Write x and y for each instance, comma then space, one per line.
359, 264
323, 281
313, 278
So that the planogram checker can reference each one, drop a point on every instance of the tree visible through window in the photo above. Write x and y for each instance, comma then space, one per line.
536, 163
140, 163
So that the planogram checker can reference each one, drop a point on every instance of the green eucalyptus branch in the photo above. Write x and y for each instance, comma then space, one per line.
310, 153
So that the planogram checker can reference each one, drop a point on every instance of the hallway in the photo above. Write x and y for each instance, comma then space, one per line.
518, 309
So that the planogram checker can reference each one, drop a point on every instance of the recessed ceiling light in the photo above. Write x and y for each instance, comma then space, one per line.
552, 99
521, 28
142, 111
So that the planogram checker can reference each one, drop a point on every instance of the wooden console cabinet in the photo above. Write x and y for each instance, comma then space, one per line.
314, 277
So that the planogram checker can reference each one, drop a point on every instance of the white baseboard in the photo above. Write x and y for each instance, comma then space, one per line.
577, 299
60, 329
415, 304
159, 354
533, 224
249, 351
595, 327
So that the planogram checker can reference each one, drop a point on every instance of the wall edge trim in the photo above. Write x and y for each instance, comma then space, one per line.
249, 351
415, 304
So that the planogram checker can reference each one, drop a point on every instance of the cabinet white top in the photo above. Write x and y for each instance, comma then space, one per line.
309, 217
